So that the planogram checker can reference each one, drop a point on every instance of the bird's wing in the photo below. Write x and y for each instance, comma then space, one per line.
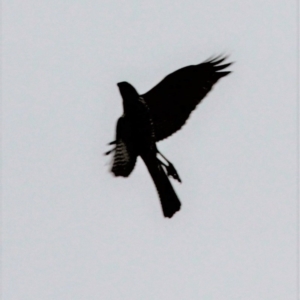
173, 99
125, 155
124, 160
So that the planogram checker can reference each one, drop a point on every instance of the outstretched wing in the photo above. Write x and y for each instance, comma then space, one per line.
173, 99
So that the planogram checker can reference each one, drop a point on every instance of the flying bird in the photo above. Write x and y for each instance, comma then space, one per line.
154, 116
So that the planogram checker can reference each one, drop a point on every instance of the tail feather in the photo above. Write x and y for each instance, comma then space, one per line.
168, 198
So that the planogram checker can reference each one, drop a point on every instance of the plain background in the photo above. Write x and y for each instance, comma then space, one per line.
70, 230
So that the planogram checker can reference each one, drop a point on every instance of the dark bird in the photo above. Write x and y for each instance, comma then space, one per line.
156, 115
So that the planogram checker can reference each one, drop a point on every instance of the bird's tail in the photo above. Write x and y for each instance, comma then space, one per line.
168, 198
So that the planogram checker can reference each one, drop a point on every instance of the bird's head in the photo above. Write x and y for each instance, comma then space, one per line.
128, 93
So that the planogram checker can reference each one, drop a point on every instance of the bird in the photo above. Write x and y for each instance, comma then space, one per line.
151, 117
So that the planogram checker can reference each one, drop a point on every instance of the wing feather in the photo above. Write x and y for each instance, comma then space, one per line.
125, 154
124, 160
173, 99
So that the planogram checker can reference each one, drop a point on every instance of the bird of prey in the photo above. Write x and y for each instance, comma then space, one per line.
156, 115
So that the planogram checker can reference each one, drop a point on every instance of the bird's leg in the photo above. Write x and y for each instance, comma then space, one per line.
165, 158
170, 167
110, 151
171, 171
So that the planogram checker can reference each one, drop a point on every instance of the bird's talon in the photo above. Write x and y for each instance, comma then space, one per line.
172, 172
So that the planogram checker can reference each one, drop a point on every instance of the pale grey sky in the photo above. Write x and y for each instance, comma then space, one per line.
73, 231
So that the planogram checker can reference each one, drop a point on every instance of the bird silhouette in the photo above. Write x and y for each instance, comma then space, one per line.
154, 116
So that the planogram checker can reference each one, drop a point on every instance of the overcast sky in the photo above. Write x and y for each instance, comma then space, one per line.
73, 231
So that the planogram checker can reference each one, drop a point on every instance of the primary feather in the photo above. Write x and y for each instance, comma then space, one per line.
173, 99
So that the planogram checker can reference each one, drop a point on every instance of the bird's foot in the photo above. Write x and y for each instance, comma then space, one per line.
171, 171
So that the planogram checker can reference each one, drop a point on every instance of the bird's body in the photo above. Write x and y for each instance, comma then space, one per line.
156, 115
136, 137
